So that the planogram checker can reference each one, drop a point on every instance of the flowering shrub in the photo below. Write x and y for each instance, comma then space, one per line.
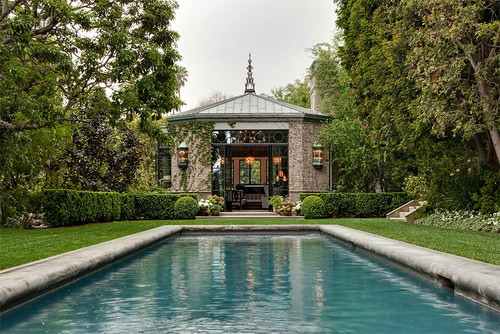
27, 220
286, 207
205, 203
297, 206
216, 201
463, 220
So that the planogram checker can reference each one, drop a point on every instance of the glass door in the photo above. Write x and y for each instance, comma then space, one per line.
278, 171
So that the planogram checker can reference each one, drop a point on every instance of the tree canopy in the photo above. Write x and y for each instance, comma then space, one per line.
54, 56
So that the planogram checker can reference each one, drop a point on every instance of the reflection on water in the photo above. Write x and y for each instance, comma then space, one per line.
250, 284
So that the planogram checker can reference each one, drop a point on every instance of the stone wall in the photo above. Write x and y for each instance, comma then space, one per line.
303, 176
196, 177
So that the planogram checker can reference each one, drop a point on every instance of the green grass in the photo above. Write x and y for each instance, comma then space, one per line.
23, 246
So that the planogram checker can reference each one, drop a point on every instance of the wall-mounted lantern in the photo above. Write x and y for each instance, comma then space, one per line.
318, 152
182, 155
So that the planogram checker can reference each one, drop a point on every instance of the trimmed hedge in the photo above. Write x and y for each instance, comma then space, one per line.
64, 207
186, 208
361, 205
313, 207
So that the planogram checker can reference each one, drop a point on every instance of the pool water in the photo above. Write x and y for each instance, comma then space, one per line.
250, 284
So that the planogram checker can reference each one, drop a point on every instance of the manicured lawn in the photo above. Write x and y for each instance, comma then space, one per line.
23, 246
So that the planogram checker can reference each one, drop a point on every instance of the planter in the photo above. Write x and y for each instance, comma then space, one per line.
215, 212
204, 211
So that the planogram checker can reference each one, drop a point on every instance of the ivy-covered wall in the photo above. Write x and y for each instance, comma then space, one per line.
197, 176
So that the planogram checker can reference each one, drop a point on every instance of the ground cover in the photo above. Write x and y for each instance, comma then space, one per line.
21, 246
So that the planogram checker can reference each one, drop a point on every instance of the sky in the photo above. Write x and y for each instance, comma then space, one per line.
216, 37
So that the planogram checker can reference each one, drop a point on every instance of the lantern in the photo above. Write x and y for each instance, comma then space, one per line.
182, 155
318, 152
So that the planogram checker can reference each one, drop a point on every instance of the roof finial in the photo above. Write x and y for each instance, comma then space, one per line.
249, 86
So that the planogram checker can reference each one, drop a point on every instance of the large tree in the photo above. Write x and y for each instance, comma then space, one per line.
296, 93
455, 61
55, 54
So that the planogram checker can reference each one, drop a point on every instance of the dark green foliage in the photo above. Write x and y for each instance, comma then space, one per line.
186, 208
458, 191
313, 207
359, 204
15, 202
128, 207
103, 158
71, 207
155, 206
487, 201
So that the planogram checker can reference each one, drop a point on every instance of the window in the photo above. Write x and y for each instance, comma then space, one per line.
250, 173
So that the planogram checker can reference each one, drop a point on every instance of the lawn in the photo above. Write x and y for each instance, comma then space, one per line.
23, 246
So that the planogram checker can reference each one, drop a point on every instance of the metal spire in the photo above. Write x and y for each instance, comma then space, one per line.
249, 86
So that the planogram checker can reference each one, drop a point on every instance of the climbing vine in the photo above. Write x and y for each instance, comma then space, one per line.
198, 137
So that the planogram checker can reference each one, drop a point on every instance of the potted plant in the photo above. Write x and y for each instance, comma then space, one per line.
286, 208
217, 203
296, 208
276, 201
205, 207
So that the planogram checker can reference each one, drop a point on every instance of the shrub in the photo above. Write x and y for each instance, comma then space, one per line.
64, 207
463, 220
71, 207
186, 208
276, 201
360, 204
313, 207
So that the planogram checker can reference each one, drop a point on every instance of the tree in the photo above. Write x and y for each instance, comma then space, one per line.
54, 55
181, 75
103, 158
455, 61
216, 96
296, 93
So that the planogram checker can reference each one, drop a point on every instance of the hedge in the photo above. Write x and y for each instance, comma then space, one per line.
361, 205
64, 207
151, 206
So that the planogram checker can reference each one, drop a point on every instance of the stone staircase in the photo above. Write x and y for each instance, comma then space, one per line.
404, 212
248, 214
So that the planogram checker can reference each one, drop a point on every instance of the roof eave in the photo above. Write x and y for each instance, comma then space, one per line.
248, 118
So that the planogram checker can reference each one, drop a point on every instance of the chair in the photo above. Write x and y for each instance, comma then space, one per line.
238, 199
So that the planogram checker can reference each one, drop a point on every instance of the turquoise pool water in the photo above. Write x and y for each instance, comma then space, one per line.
250, 284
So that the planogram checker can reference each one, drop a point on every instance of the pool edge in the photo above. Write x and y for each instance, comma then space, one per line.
474, 279
24, 282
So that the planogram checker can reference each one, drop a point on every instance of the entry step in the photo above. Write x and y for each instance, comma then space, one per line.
248, 214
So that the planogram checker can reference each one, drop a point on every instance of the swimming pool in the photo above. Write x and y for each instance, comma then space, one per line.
250, 284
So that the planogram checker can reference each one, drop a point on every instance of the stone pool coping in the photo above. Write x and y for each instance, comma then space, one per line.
474, 279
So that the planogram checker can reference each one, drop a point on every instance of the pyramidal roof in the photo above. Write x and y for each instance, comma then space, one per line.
249, 107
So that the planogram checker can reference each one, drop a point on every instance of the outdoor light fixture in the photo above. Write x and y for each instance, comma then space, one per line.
281, 176
182, 155
318, 152
249, 160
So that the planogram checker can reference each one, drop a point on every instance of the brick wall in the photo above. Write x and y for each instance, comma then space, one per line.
303, 176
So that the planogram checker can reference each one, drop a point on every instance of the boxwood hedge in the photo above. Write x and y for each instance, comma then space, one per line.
64, 207
360, 205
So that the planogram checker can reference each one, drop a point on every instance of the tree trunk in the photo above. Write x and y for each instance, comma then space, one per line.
495, 139
378, 182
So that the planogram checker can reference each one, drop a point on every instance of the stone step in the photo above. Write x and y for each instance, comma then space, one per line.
248, 214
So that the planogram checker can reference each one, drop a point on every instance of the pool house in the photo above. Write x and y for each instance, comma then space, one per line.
246, 149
